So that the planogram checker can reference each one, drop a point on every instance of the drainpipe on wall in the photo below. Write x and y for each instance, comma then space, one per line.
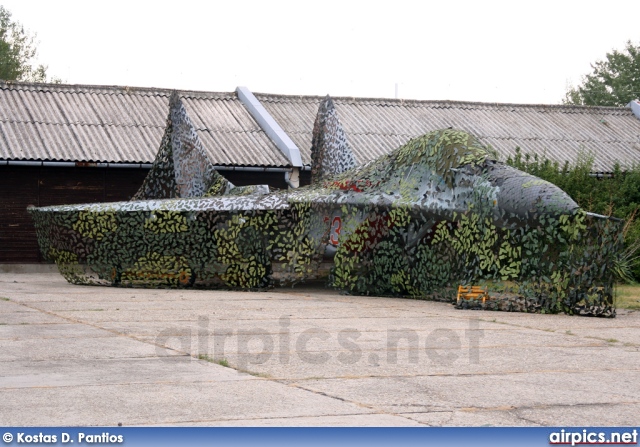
275, 133
635, 108
292, 178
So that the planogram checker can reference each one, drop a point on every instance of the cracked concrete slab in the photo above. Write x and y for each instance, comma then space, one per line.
345, 420
82, 372
165, 403
79, 355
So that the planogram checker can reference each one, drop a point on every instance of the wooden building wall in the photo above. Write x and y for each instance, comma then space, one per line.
21, 186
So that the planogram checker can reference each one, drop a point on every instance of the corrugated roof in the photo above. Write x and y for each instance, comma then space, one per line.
376, 126
54, 122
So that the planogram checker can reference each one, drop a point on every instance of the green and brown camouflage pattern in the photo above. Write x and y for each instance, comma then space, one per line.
433, 214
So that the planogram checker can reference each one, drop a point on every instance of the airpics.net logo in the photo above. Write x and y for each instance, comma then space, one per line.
591, 437
347, 346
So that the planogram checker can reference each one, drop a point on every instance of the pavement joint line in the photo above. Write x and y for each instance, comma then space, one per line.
408, 418
270, 418
516, 409
431, 408
100, 359
483, 374
119, 334
579, 404
341, 399
560, 331
74, 359
520, 417
375, 409
125, 384
48, 337
451, 415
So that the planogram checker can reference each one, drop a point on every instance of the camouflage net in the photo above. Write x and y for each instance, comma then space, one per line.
436, 213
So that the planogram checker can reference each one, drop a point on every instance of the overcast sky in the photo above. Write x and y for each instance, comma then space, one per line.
489, 51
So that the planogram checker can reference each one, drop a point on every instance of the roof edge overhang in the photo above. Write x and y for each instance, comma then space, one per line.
444, 102
91, 164
186, 93
115, 89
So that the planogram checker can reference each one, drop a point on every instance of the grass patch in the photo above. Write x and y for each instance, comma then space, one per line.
488, 321
225, 363
255, 374
628, 296
609, 340
4, 299
208, 358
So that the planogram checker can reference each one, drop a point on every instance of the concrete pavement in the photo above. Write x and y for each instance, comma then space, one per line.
81, 355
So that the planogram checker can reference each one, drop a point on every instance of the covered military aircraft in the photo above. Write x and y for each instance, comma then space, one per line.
437, 212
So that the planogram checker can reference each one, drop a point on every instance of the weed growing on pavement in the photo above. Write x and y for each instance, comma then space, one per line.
208, 358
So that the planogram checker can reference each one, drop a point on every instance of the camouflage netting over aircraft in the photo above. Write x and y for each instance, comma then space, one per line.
182, 167
436, 213
330, 150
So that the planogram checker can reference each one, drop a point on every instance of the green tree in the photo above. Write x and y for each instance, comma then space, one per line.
617, 195
613, 82
17, 52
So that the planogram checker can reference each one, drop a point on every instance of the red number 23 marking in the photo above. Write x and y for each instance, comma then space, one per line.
336, 226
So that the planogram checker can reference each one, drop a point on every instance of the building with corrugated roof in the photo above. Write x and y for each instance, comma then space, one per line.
377, 126
74, 143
